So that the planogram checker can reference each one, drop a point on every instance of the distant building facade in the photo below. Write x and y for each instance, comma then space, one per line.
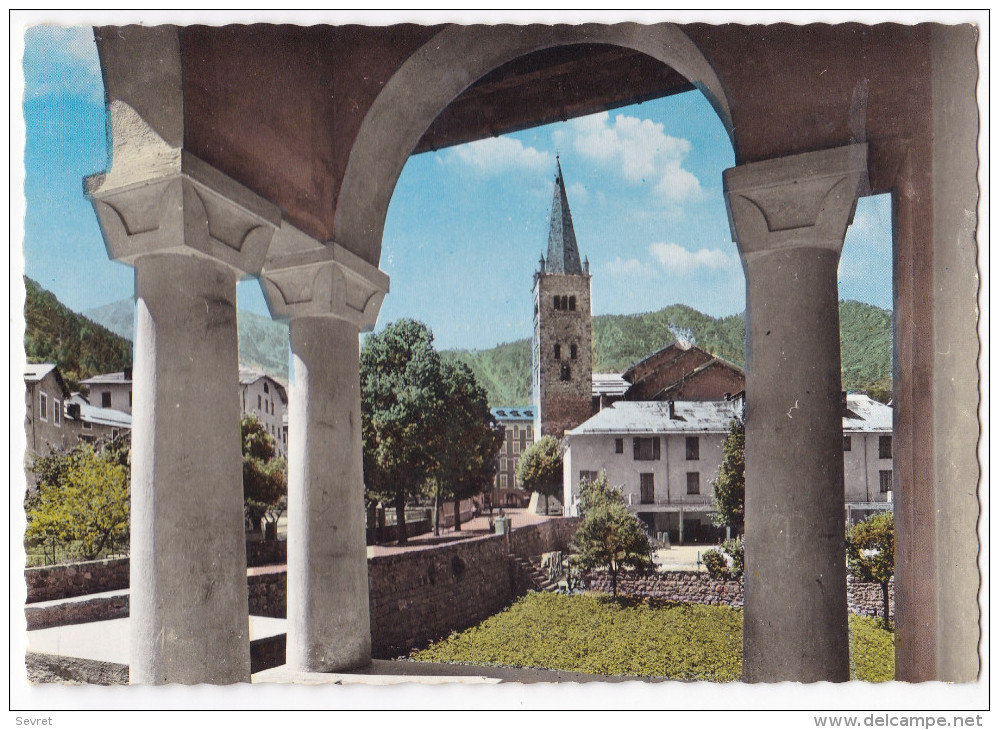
665, 455
561, 349
267, 399
518, 425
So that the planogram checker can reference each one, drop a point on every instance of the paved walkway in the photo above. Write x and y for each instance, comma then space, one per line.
476, 527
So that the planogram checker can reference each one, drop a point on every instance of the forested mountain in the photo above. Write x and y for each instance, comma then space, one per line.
622, 339
78, 345
618, 341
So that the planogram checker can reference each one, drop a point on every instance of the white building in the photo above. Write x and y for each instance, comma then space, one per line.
267, 399
665, 456
110, 390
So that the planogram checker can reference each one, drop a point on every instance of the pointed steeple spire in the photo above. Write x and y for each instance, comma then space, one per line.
563, 254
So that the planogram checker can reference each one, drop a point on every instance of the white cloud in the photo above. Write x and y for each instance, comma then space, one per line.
639, 149
500, 154
577, 192
626, 267
60, 60
676, 259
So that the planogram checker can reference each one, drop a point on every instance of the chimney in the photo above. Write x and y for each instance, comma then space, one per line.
672, 409
73, 410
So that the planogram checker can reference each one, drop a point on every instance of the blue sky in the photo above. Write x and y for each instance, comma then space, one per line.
466, 225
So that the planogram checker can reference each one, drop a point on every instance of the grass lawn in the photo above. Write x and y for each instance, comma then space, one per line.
593, 633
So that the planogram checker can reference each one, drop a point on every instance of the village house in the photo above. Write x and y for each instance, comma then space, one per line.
665, 455
110, 390
267, 399
44, 395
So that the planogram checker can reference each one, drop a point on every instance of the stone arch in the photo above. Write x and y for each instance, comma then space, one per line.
448, 64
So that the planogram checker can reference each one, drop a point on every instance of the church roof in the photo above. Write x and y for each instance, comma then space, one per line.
563, 254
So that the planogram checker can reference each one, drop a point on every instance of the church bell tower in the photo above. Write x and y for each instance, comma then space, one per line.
562, 365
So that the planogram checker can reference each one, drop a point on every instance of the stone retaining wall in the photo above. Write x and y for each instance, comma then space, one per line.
76, 579
862, 598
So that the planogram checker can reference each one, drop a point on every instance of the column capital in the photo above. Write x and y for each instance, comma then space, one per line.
303, 277
800, 201
184, 206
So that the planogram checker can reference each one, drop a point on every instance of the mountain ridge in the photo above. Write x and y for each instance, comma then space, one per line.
618, 341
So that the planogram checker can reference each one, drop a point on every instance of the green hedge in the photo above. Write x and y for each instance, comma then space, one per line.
638, 637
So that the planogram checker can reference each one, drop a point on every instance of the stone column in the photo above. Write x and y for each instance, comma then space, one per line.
330, 296
789, 217
189, 232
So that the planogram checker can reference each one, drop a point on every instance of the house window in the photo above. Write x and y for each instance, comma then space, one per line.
618, 446
565, 374
693, 482
572, 304
106, 399
572, 352
565, 302
516, 445
509, 441
558, 351
503, 463
587, 476
503, 481
648, 487
114, 433
693, 448
556, 301
884, 447
87, 425
266, 389
646, 449
43, 406
523, 440
259, 403
885, 478
56, 412
266, 407
847, 443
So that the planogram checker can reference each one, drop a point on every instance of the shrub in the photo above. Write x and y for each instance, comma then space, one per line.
715, 564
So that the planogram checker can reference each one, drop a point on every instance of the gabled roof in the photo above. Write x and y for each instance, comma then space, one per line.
677, 348
714, 362
563, 254
35, 372
249, 376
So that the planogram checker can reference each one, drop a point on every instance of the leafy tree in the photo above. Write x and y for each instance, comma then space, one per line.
82, 503
265, 484
401, 414
540, 468
469, 438
729, 494
609, 536
870, 553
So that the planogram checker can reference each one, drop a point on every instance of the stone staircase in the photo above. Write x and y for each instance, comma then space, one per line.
529, 577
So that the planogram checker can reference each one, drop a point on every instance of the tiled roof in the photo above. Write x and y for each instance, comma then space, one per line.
608, 384
513, 413
563, 254
119, 377
863, 414
653, 417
